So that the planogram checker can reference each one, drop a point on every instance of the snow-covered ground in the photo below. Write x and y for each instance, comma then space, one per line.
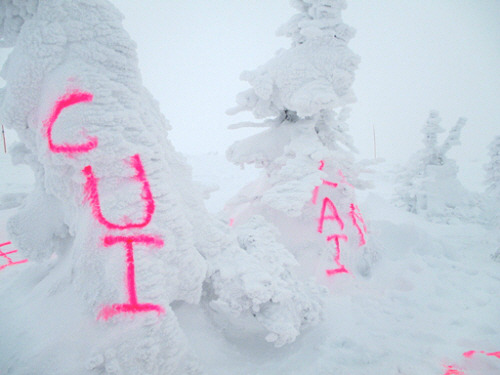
431, 296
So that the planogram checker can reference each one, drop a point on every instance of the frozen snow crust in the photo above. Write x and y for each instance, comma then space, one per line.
431, 297
114, 230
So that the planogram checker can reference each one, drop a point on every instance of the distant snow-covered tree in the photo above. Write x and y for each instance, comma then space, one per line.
493, 169
492, 193
306, 152
429, 184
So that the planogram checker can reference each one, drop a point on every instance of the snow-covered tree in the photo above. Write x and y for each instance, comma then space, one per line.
12, 17
429, 184
305, 150
493, 169
491, 199
115, 227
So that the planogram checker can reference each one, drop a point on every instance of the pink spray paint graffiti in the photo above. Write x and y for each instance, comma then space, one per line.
451, 370
5, 255
471, 353
69, 99
341, 269
92, 195
133, 306
356, 219
329, 212
334, 216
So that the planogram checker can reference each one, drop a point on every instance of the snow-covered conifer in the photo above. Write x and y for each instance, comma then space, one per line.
431, 129
306, 152
491, 199
493, 169
429, 184
115, 227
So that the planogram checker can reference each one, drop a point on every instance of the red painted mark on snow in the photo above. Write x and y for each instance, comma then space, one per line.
323, 182
315, 195
355, 214
329, 183
132, 307
231, 222
9, 260
451, 370
470, 353
341, 268
92, 195
327, 203
326, 182
69, 99
121, 308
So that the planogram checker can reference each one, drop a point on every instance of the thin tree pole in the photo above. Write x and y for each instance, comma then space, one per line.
4, 144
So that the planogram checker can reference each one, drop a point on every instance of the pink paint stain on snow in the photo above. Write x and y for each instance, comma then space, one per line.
451, 370
329, 183
67, 100
341, 268
357, 218
108, 312
334, 215
323, 182
92, 195
329, 212
10, 262
471, 353
315, 195
132, 306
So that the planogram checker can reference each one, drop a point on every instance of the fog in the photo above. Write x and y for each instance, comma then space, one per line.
415, 56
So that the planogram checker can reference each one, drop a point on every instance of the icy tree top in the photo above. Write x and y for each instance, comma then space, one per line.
13, 13
318, 18
430, 130
315, 74
436, 154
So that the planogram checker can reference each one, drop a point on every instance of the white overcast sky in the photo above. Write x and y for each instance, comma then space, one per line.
416, 55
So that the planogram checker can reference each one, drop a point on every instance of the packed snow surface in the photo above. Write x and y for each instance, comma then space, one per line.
431, 297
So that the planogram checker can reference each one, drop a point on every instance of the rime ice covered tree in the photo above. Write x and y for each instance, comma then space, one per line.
306, 187
429, 184
492, 196
493, 169
115, 230
492, 193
